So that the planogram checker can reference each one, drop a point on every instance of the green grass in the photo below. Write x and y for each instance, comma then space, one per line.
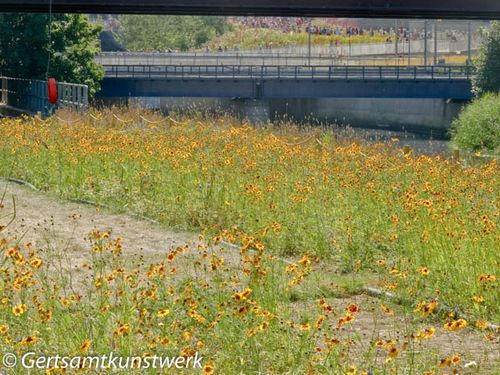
340, 215
348, 203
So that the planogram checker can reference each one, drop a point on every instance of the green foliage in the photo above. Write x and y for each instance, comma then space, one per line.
246, 38
478, 127
161, 33
26, 46
488, 63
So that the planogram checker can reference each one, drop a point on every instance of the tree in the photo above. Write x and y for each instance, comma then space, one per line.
160, 33
487, 78
32, 47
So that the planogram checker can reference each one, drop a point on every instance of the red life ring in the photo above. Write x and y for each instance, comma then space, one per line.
52, 90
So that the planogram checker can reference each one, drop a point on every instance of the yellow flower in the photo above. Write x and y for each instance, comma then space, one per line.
12, 252
208, 369
305, 327
85, 346
19, 309
478, 299
29, 340
455, 360
424, 271
259, 246
163, 313
4, 328
242, 295
36, 263
352, 308
331, 342
304, 261
445, 362
380, 262
456, 325
393, 352
429, 308
429, 332
484, 278
348, 318
420, 306
123, 330
380, 343
481, 324
387, 310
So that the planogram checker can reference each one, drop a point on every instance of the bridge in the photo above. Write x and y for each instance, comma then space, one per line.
457, 9
278, 81
302, 55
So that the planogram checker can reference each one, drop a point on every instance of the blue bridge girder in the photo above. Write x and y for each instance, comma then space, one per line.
271, 82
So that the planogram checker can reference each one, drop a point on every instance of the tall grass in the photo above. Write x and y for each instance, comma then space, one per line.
426, 225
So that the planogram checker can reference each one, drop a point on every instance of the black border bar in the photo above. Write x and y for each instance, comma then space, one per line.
437, 9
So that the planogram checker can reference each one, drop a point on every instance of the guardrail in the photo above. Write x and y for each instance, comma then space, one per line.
289, 72
31, 95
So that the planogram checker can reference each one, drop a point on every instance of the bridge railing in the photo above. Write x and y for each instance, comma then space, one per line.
320, 55
31, 95
288, 72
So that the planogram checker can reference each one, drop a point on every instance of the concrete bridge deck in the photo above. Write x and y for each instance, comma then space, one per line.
268, 82
478, 9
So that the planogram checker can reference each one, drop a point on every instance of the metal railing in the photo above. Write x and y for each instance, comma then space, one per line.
320, 55
289, 72
31, 95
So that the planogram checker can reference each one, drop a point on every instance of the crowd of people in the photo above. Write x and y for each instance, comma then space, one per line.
283, 24
337, 29
341, 27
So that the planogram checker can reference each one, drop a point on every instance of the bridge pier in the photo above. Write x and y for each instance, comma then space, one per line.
256, 111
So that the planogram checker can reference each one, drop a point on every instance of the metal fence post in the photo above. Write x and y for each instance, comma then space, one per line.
5, 97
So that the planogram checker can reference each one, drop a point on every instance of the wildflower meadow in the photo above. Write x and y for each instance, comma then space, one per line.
311, 252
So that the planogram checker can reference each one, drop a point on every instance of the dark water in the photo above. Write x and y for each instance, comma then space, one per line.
421, 144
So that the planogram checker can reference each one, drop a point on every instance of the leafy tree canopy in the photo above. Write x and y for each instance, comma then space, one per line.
26, 45
488, 63
160, 33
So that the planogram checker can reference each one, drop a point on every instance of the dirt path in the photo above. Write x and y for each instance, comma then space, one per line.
41, 218
47, 221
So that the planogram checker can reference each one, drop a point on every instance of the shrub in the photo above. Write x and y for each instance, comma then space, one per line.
478, 126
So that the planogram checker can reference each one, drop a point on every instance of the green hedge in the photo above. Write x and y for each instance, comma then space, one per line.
478, 126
